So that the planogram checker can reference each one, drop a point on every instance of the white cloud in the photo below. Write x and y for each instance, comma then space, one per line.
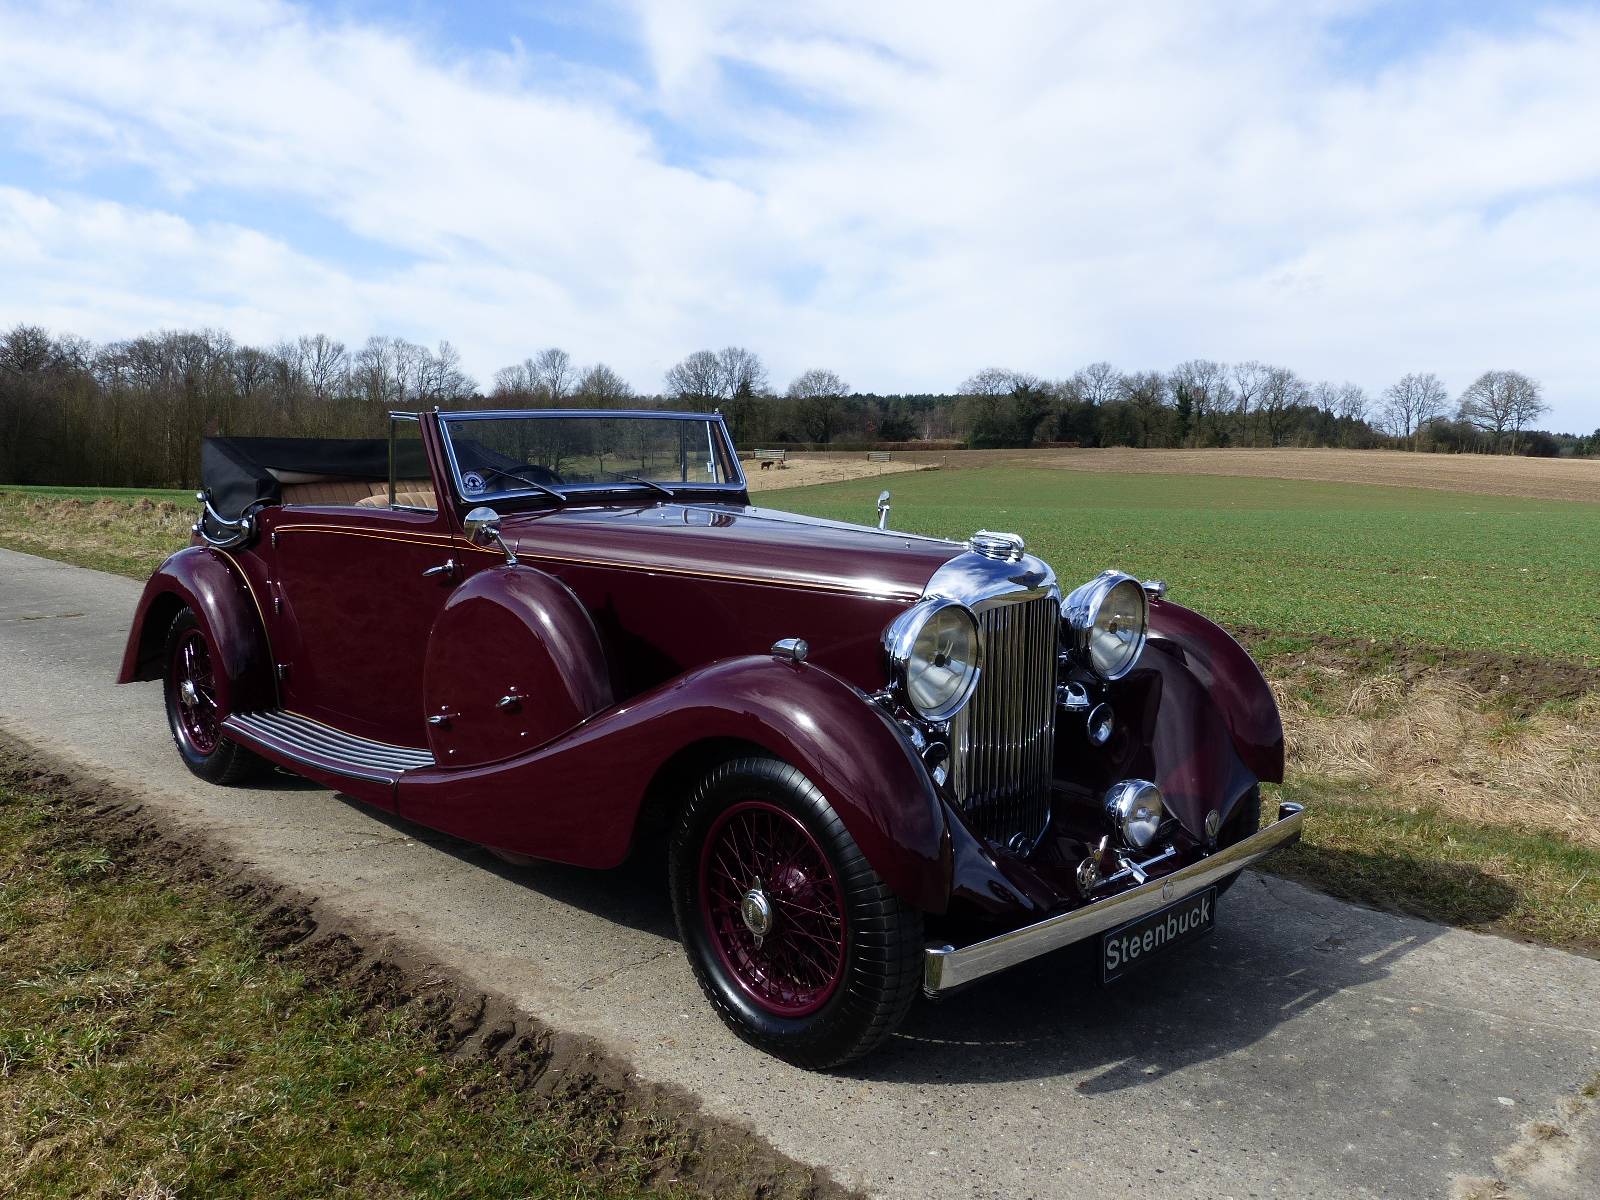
907, 193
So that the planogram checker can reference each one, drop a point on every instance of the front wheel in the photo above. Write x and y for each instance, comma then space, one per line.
799, 945
1244, 821
193, 710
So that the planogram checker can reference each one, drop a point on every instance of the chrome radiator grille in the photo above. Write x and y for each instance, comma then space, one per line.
1003, 741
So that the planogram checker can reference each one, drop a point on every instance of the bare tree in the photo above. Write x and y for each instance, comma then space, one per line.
1248, 380
551, 372
1202, 385
819, 395
1281, 391
1098, 383
441, 378
323, 362
742, 372
1146, 394
1498, 401
1411, 403
743, 380
601, 387
1350, 402
1527, 405
697, 380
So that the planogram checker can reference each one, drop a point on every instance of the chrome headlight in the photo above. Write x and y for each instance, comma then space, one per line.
1110, 618
934, 657
1136, 810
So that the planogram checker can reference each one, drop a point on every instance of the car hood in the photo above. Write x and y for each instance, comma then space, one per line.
739, 543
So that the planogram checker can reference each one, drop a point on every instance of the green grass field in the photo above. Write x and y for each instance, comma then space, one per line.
1386, 563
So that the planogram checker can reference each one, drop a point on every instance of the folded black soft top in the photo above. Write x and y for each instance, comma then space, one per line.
243, 471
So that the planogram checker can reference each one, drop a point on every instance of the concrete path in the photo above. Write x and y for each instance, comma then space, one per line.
1308, 1048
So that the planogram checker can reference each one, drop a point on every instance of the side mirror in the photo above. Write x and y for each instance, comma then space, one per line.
483, 528
883, 509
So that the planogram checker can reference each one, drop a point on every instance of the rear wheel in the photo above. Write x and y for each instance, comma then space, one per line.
193, 710
799, 945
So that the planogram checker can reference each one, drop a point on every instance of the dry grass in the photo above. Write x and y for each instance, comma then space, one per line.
1436, 742
1480, 474
130, 537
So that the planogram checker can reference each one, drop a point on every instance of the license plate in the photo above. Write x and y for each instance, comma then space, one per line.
1138, 941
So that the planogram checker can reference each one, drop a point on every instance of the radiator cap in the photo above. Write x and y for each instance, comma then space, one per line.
1007, 547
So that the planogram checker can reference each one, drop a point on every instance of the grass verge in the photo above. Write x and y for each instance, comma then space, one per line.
154, 1043
1524, 883
127, 533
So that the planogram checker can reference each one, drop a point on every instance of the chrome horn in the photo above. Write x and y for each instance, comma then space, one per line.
883, 509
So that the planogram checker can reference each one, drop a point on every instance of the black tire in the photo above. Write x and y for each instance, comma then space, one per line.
1242, 822
202, 745
877, 962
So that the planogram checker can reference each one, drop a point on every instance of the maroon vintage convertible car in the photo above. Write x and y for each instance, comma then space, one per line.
876, 763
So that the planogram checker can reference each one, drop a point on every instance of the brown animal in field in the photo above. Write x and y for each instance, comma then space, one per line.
766, 464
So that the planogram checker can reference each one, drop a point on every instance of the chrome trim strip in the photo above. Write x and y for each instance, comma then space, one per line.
946, 967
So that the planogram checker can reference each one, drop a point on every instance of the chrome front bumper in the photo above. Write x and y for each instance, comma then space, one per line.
946, 968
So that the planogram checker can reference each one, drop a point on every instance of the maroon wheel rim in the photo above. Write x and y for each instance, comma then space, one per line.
773, 908
194, 693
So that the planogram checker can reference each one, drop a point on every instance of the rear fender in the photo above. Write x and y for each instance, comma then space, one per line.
578, 799
208, 582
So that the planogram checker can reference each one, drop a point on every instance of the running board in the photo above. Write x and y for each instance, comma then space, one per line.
299, 739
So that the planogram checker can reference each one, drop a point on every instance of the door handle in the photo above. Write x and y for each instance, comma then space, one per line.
446, 569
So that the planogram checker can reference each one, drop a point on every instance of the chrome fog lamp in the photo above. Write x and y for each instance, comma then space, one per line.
933, 655
1109, 620
1136, 809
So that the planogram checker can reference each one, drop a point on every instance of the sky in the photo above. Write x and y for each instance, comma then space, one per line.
902, 192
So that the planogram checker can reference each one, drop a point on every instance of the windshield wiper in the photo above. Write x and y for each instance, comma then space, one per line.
533, 483
649, 483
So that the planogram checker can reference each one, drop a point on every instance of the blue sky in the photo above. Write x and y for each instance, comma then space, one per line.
905, 193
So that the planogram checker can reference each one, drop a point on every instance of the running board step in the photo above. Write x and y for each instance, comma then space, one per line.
313, 744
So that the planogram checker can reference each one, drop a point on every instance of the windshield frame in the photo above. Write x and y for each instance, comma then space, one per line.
572, 492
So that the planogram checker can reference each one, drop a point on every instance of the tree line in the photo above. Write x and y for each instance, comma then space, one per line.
132, 413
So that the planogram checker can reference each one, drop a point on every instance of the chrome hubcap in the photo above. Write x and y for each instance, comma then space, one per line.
188, 693
756, 910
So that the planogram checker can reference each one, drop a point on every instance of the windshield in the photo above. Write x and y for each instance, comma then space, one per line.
531, 454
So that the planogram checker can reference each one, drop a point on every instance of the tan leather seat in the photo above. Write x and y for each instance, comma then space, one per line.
333, 491
418, 495
414, 493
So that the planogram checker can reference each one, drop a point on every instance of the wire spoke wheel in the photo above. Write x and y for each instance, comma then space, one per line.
799, 945
194, 689
774, 908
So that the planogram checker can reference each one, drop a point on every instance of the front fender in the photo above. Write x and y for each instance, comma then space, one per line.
208, 582
1232, 680
578, 799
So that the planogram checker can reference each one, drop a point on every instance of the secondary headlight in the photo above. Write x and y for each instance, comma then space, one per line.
1137, 810
934, 657
1109, 617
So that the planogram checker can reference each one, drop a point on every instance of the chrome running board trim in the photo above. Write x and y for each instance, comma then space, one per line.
946, 968
313, 744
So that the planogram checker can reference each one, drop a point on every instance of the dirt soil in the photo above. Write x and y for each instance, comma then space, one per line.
559, 1073
1482, 474
801, 470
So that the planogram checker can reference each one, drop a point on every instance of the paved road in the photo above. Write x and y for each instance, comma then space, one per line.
1307, 1048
